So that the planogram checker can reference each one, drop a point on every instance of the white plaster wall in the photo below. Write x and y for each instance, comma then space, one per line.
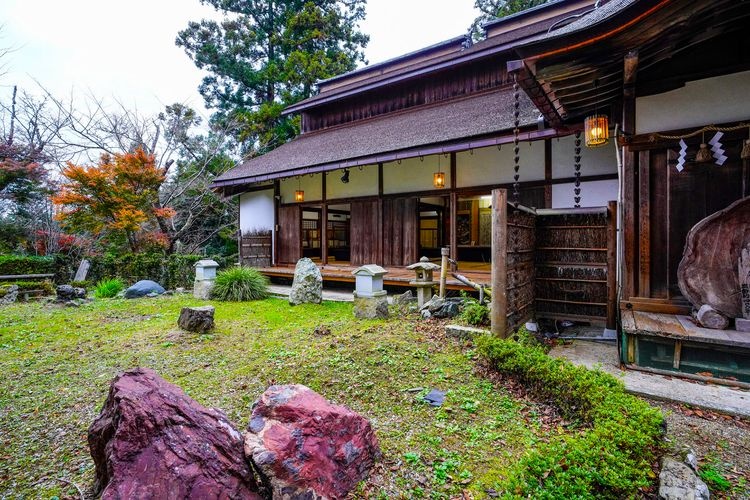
492, 166
593, 194
256, 211
594, 161
701, 102
311, 185
361, 183
414, 175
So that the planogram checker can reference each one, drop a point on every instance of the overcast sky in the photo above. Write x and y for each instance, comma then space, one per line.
125, 49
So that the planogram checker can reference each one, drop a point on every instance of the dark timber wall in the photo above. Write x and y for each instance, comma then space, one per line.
255, 249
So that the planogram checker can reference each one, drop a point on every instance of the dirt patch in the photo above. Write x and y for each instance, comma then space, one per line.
721, 442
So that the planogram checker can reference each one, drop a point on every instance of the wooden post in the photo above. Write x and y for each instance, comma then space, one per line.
612, 265
499, 316
453, 237
324, 225
275, 232
547, 173
443, 269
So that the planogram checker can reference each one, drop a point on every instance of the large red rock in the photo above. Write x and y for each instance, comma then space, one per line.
305, 447
151, 441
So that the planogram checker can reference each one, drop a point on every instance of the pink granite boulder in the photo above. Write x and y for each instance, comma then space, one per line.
306, 447
151, 441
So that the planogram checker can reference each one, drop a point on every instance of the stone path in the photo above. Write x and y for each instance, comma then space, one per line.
604, 355
333, 295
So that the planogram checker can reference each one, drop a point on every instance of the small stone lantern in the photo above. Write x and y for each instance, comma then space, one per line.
423, 282
205, 276
370, 300
369, 280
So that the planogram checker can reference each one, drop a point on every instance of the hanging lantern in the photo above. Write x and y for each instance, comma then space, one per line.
597, 130
438, 180
704, 154
299, 194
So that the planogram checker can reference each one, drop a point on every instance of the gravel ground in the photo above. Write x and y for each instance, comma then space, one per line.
721, 442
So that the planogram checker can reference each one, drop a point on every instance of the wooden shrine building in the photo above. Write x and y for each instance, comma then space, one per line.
398, 159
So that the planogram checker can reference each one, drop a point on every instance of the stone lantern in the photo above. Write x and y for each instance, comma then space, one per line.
423, 282
370, 300
205, 276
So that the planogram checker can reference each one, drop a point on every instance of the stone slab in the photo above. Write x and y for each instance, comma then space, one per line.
742, 325
604, 356
465, 332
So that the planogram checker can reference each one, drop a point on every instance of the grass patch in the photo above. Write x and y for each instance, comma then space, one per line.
57, 364
108, 288
240, 284
611, 456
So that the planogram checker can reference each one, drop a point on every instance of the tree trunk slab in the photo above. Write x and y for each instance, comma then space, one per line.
707, 273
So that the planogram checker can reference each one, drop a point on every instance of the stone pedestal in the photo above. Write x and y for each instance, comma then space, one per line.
424, 291
742, 325
205, 276
202, 289
375, 307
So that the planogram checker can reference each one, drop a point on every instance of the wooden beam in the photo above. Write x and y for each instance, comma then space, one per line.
548, 173
453, 237
454, 183
324, 221
380, 179
644, 220
499, 318
612, 265
276, 203
536, 92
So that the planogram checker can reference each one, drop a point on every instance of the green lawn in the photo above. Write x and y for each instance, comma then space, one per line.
56, 364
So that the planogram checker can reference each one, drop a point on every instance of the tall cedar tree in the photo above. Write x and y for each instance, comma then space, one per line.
267, 54
117, 199
493, 9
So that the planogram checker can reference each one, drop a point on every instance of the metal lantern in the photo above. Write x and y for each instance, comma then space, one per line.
438, 180
597, 130
299, 195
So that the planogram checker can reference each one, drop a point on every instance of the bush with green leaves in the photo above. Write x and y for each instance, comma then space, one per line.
240, 284
618, 438
23, 264
108, 288
475, 313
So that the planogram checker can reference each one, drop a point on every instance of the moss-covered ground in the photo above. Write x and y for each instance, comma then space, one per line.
56, 364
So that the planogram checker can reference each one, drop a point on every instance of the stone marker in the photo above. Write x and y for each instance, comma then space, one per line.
205, 278
144, 288
306, 447
197, 319
307, 287
83, 270
152, 441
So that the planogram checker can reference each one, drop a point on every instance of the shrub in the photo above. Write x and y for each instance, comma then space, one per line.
108, 288
240, 284
85, 284
474, 313
609, 456
19, 264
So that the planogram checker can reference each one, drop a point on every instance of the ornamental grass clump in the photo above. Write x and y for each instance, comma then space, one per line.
108, 288
240, 284
618, 439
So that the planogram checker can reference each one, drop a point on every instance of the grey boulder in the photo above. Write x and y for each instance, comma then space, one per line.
197, 319
677, 481
307, 287
143, 288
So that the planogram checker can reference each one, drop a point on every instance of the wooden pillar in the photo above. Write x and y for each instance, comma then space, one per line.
548, 173
275, 233
499, 316
324, 223
644, 224
453, 236
612, 265
629, 180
